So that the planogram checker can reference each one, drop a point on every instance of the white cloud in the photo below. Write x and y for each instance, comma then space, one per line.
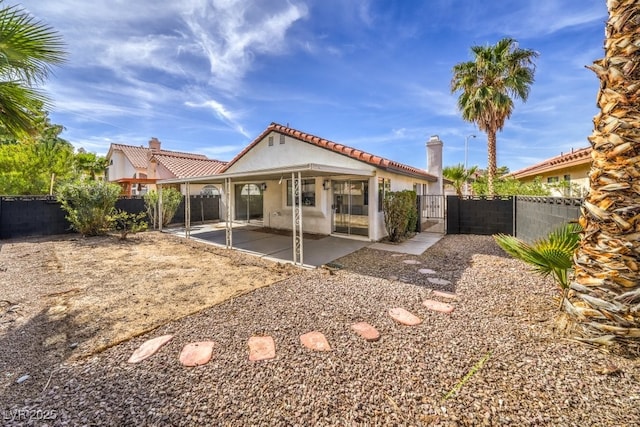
222, 113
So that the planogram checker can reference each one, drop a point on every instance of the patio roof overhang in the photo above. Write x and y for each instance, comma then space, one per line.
308, 169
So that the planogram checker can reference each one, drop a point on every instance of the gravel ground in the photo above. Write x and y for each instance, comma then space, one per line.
530, 375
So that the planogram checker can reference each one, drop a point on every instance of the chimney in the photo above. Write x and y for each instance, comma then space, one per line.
434, 164
154, 144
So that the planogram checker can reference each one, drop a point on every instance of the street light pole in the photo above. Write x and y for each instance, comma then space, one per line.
466, 149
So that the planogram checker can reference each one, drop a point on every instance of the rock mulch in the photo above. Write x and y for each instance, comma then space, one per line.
495, 360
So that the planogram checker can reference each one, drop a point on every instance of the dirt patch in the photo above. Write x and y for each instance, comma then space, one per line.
71, 297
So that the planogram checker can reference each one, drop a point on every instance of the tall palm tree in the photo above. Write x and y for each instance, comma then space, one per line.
28, 50
458, 176
606, 298
488, 85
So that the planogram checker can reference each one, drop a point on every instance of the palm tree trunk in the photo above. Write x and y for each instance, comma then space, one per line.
491, 162
605, 293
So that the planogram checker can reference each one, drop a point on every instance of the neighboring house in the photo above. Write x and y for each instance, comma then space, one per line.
340, 188
137, 169
572, 168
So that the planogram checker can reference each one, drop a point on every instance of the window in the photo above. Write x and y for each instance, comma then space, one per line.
552, 179
281, 139
567, 178
384, 186
210, 190
271, 141
307, 191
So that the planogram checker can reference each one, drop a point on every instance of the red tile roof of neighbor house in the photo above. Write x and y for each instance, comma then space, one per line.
138, 156
354, 153
574, 158
184, 167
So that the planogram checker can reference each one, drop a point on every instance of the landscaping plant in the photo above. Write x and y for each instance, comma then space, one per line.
400, 214
552, 255
89, 206
129, 223
171, 199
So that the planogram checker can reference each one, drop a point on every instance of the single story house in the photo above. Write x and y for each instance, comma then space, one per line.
291, 180
572, 168
137, 169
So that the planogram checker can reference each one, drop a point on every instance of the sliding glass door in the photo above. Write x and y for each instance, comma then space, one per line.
351, 207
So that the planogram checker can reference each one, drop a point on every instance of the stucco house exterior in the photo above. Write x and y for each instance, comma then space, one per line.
572, 167
291, 180
137, 169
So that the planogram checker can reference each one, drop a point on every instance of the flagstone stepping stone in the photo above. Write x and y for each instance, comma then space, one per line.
366, 331
149, 348
197, 353
426, 271
411, 261
443, 294
261, 348
404, 317
315, 341
437, 281
441, 307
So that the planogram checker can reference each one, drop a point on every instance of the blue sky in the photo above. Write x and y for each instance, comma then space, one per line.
208, 76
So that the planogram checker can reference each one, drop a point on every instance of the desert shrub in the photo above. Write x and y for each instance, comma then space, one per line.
400, 214
171, 199
129, 223
89, 205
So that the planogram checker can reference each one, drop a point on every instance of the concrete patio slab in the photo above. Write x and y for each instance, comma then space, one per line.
414, 246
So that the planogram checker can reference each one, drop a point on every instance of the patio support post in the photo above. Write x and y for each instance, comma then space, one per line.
296, 197
228, 225
160, 207
187, 211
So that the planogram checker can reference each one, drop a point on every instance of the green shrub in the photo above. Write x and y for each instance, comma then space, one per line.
89, 206
129, 223
171, 199
400, 214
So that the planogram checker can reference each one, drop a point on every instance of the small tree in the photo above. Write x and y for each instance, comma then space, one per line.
171, 199
89, 206
129, 223
458, 176
400, 214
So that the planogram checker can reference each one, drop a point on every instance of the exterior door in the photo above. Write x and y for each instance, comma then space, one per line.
248, 202
351, 207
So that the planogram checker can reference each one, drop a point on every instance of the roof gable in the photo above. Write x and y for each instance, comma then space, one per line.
353, 153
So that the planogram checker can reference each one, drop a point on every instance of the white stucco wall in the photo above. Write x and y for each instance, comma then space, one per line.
121, 166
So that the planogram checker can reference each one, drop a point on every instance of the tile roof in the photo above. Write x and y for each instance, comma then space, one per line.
185, 167
138, 156
354, 153
574, 158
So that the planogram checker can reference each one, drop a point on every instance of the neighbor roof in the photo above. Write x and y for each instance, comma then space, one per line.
574, 158
344, 150
184, 167
138, 156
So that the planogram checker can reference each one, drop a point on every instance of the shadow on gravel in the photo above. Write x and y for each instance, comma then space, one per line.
35, 349
444, 262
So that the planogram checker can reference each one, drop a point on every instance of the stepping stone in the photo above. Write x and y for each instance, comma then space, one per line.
443, 294
366, 331
411, 261
149, 348
396, 255
261, 348
437, 281
315, 341
197, 353
402, 316
442, 307
426, 271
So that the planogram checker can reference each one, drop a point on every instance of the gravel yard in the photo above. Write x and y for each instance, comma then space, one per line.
496, 356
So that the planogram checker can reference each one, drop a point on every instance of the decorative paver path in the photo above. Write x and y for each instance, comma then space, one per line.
426, 271
197, 353
447, 295
261, 348
404, 317
411, 261
442, 307
315, 340
366, 331
438, 281
149, 348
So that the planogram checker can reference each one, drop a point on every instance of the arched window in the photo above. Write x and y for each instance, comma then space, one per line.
210, 190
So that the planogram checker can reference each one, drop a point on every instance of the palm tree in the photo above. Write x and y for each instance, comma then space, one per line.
458, 176
488, 85
28, 49
606, 298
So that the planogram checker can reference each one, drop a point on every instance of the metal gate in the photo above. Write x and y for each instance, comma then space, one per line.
432, 213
